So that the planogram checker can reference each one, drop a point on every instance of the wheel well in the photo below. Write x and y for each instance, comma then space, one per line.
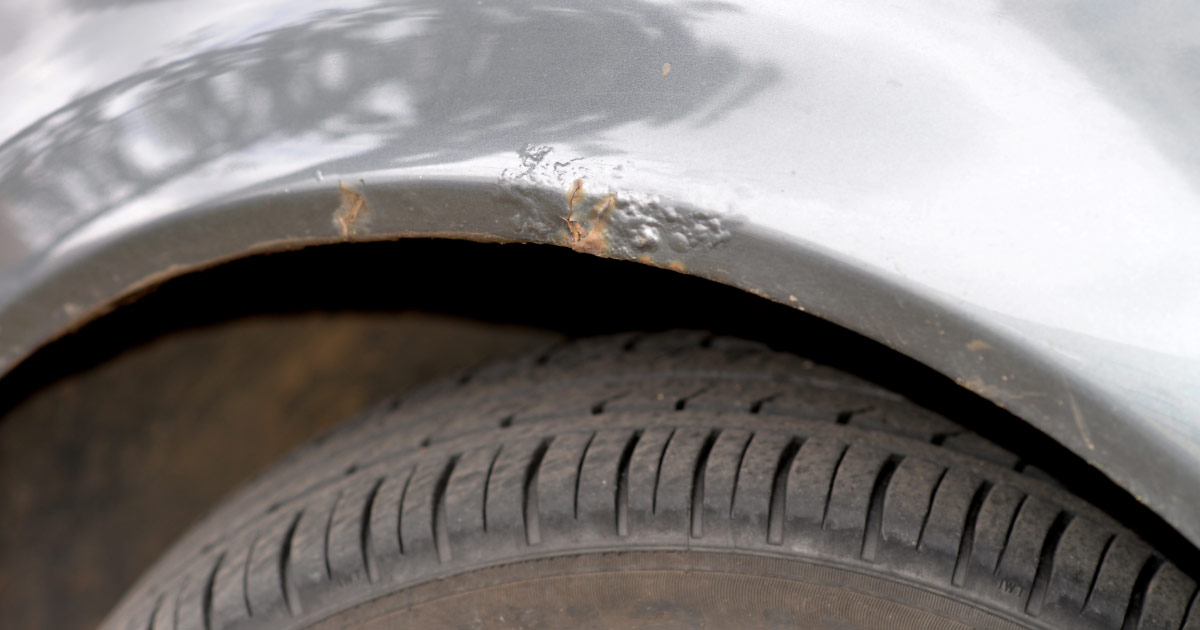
558, 290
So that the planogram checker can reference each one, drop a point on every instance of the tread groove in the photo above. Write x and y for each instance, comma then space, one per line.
441, 535
246, 577
599, 407
681, 404
737, 474
579, 474
178, 600
967, 542
400, 512
1187, 611
487, 484
697, 524
533, 533
937, 485
873, 528
1137, 598
364, 532
1096, 574
756, 406
622, 498
843, 417
632, 343
285, 556
549, 353
1012, 523
658, 472
837, 466
206, 606
777, 503
154, 612
328, 528
1045, 565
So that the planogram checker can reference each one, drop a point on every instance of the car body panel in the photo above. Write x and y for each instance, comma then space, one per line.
1007, 191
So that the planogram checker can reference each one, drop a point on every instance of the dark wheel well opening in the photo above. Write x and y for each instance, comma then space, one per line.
558, 290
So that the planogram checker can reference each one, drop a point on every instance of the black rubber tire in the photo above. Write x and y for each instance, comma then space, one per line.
677, 442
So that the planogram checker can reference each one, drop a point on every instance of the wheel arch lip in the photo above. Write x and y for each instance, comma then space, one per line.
1016, 223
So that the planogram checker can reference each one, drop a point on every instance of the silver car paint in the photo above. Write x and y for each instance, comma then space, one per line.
1006, 190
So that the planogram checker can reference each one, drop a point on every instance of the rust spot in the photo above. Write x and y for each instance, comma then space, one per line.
666, 69
589, 239
675, 265
575, 227
574, 194
595, 241
600, 210
351, 211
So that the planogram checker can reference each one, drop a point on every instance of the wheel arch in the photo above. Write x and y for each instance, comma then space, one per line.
981, 355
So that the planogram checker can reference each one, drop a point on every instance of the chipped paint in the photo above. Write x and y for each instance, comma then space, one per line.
592, 239
352, 213
621, 223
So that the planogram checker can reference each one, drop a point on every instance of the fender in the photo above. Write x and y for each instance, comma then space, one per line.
1007, 191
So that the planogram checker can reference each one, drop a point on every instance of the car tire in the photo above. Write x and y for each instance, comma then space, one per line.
656, 481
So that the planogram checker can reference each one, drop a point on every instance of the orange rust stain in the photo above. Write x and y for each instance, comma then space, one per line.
594, 242
600, 210
574, 194
575, 227
666, 69
675, 265
350, 211
595, 239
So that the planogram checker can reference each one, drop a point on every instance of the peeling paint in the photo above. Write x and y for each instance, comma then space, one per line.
621, 223
592, 239
353, 212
